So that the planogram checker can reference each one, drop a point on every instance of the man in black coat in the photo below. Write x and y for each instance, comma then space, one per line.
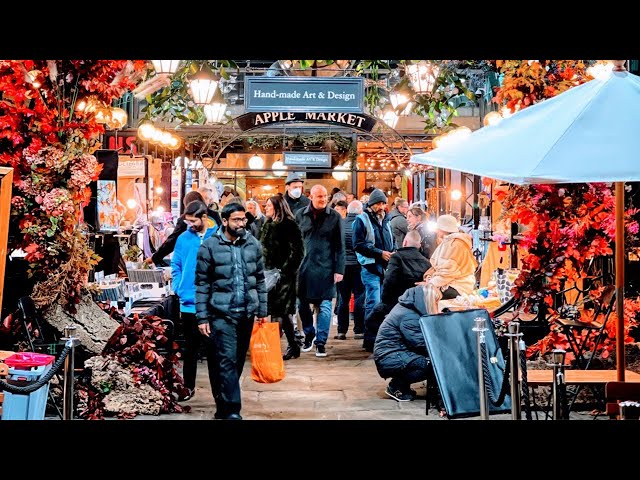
351, 282
400, 351
230, 292
294, 195
406, 268
322, 267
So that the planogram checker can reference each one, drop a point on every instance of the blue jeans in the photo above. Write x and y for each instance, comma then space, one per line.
372, 287
323, 321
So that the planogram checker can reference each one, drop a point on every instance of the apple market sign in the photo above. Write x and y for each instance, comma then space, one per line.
359, 121
304, 94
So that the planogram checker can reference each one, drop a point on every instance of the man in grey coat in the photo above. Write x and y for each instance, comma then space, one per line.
322, 267
230, 292
398, 220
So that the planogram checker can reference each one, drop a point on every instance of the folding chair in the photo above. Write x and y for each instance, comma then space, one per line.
593, 331
615, 392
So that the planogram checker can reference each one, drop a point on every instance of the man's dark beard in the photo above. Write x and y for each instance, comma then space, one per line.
379, 214
238, 232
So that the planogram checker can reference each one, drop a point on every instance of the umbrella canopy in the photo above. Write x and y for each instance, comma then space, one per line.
590, 133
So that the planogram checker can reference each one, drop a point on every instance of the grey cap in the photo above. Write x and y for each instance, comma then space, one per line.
293, 177
376, 196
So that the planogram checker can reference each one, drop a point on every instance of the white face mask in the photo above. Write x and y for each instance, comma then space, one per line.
295, 192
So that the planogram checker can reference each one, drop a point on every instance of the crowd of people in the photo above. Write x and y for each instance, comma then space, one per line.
324, 248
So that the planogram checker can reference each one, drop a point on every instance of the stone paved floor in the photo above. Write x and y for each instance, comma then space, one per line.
342, 386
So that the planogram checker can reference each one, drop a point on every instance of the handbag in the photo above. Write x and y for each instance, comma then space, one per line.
271, 278
267, 365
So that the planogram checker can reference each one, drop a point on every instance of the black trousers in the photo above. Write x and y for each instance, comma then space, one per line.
192, 339
227, 348
417, 370
351, 283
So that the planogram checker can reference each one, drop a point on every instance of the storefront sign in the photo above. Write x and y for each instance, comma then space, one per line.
304, 94
360, 121
308, 159
131, 168
124, 142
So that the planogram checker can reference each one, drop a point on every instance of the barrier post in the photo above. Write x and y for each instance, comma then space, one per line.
514, 361
559, 386
480, 328
72, 342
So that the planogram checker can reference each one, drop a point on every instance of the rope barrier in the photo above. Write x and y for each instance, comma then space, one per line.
9, 387
496, 402
525, 385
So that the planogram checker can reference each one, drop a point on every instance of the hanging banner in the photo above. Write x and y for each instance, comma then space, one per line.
304, 94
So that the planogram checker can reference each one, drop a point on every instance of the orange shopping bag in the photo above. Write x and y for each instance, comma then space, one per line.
267, 365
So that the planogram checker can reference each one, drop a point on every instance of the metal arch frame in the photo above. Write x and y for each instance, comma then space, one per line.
235, 133
380, 137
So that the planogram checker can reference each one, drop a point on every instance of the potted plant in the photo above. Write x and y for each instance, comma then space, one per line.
132, 256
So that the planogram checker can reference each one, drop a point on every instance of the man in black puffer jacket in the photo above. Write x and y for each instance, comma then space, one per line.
230, 291
400, 351
406, 268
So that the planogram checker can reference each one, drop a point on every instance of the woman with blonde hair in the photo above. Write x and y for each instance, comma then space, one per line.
257, 218
282, 248
453, 265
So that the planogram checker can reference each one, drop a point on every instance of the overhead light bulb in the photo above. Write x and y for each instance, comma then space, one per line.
279, 168
256, 162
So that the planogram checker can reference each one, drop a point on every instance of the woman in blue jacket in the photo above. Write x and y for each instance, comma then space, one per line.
183, 273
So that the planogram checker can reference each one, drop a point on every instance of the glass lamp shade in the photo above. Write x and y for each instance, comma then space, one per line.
398, 98
423, 76
214, 111
145, 131
165, 139
390, 117
102, 114
117, 118
167, 67
203, 85
174, 143
256, 162
279, 168
340, 173
492, 118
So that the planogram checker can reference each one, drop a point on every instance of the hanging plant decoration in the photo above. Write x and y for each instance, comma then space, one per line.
48, 132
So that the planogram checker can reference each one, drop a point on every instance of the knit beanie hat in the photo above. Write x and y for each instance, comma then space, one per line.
376, 196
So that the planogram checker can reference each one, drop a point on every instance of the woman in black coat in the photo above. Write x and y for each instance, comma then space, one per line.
283, 249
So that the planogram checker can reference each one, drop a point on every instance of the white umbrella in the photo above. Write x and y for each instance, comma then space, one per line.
590, 133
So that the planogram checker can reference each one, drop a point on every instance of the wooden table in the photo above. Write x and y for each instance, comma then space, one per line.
576, 377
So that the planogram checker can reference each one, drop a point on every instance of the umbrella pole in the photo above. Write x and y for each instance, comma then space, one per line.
620, 361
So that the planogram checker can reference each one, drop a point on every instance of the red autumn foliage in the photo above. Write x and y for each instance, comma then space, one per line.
49, 141
567, 226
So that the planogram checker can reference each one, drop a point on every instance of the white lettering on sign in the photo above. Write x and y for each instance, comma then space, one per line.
270, 117
341, 96
275, 94
131, 168
346, 118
